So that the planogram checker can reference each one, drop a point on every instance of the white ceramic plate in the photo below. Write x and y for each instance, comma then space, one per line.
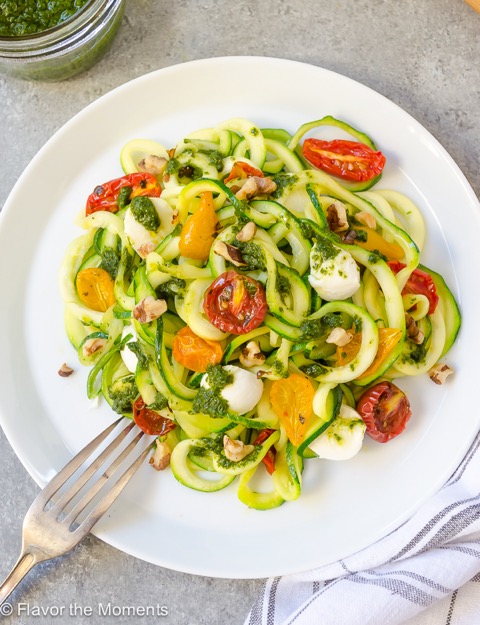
344, 506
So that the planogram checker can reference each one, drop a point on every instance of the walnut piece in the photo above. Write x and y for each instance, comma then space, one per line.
340, 337
153, 164
440, 372
413, 331
236, 450
149, 309
247, 232
65, 371
230, 253
160, 459
251, 355
337, 217
366, 219
144, 250
254, 185
93, 345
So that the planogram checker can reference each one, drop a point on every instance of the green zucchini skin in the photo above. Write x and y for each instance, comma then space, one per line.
332, 408
451, 310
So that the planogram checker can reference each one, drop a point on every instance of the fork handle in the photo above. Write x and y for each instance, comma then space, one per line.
24, 564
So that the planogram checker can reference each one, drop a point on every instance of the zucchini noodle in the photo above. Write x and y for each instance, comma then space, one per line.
322, 278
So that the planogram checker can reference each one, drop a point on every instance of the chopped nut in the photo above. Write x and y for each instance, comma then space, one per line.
337, 217
350, 237
236, 450
149, 309
254, 185
413, 331
340, 337
153, 164
160, 459
440, 372
65, 371
366, 219
93, 345
230, 253
144, 250
252, 355
247, 232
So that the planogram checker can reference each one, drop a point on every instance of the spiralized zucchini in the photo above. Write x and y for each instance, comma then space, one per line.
332, 261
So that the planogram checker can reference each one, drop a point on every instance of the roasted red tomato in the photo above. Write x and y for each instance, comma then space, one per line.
150, 421
269, 458
385, 410
235, 303
419, 283
105, 197
350, 160
243, 170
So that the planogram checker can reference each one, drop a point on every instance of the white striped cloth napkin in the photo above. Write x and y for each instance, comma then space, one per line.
427, 572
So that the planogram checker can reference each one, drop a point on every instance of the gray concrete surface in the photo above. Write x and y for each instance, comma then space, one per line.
422, 54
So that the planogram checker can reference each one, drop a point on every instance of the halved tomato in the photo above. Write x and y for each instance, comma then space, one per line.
385, 409
235, 303
350, 160
150, 421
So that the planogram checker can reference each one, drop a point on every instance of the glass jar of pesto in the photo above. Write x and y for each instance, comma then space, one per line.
54, 45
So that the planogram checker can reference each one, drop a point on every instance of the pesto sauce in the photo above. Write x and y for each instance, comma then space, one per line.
225, 463
33, 16
159, 403
252, 255
123, 393
144, 211
134, 346
214, 158
318, 328
110, 262
323, 250
284, 182
174, 286
313, 370
209, 400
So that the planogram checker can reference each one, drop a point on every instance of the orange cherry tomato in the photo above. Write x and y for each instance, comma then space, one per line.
195, 353
243, 170
199, 230
388, 338
292, 401
376, 243
149, 420
95, 288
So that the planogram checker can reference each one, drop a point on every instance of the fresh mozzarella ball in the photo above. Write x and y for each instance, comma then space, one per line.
145, 241
343, 439
129, 358
244, 393
334, 277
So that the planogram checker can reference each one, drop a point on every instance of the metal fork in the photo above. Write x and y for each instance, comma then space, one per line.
50, 529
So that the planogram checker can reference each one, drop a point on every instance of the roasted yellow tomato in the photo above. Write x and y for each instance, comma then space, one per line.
95, 288
199, 230
292, 401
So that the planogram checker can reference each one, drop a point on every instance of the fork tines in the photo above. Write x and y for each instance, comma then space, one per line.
99, 482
